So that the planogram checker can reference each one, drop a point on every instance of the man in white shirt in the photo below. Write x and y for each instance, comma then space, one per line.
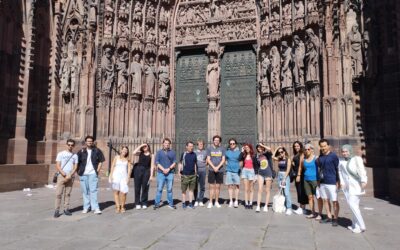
66, 164
90, 160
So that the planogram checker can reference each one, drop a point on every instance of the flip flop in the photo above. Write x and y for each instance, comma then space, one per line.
311, 216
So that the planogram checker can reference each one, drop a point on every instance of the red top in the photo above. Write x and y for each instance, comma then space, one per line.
248, 163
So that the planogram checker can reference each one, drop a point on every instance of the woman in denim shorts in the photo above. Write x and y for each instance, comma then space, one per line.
248, 160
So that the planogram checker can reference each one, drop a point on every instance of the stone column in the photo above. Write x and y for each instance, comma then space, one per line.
148, 116
119, 115
104, 114
161, 116
214, 117
133, 115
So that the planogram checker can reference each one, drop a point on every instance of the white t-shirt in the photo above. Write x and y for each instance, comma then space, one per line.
89, 166
66, 161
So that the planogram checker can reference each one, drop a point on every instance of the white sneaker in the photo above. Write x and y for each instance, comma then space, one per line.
138, 207
350, 228
299, 211
236, 204
230, 204
357, 230
144, 207
85, 211
265, 209
201, 204
217, 204
289, 211
258, 209
210, 205
97, 211
196, 204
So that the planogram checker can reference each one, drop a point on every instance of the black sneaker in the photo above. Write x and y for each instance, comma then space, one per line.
250, 206
57, 214
67, 212
326, 220
334, 223
156, 207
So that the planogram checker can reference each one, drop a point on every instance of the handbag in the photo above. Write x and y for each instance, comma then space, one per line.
55, 177
292, 175
278, 202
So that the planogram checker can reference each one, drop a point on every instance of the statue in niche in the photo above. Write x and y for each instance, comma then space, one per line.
151, 35
312, 56
108, 25
298, 58
163, 80
275, 69
299, 9
265, 27
123, 28
287, 14
163, 37
182, 16
163, 14
137, 30
286, 72
136, 72
190, 13
123, 7
75, 69
265, 65
122, 68
214, 10
109, 5
65, 74
92, 12
150, 77
107, 68
355, 43
275, 21
138, 9
212, 76
151, 12
311, 6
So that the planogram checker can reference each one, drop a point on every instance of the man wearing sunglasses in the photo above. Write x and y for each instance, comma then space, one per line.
66, 164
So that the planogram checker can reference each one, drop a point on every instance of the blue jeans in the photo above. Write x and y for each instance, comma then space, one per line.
201, 187
288, 198
89, 185
163, 179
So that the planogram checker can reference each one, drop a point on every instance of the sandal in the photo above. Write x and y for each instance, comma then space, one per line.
117, 209
123, 209
318, 217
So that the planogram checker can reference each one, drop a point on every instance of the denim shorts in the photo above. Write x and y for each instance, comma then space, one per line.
248, 174
232, 178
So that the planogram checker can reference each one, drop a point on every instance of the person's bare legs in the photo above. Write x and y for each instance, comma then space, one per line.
246, 191
117, 203
260, 190
230, 191
217, 190
251, 192
122, 201
190, 196
320, 206
336, 209
267, 191
212, 191
311, 203
327, 208
236, 187
183, 198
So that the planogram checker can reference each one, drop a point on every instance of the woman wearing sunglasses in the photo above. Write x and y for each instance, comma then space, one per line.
284, 163
249, 162
232, 172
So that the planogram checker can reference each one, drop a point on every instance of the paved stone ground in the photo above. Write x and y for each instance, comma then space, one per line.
26, 222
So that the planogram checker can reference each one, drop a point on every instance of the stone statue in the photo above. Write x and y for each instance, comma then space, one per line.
298, 58
109, 5
163, 37
299, 9
264, 81
214, 10
123, 6
138, 9
286, 72
107, 69
108, 25
151, 12
355, 42
123, 28
275, 69
163, 80
151, 35
65, 74
122, 68
312, 57
150, 77
265, 27
212, 77
136, 72
92, 12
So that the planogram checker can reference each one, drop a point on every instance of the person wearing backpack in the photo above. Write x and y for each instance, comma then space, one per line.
353, 180
188, 172
66, 164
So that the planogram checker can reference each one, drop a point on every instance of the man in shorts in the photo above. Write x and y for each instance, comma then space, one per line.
328, 164
215, 161
188, 172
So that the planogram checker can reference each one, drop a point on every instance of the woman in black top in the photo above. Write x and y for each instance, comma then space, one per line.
143, 174
298, 152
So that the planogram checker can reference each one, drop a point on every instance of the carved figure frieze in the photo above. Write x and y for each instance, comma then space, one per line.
264, 78
107, 70
124, 6
355, 40
299, 15
275, 26
151, 35
298, 61
287, 19
312, 11
164, 86
137, 11
136, 73
275, 58
312, 56
108, 25
123, 28
150, 77
109, 5
122, 68
286, 71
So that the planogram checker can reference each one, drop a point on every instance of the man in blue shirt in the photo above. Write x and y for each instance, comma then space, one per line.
165, 162
328, 164
188, 172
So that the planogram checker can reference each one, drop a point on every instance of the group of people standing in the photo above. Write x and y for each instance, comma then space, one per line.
317, 178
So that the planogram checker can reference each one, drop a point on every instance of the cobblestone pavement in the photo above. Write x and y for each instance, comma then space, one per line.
27, 222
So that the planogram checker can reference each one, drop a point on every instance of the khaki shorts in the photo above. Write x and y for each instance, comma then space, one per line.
310, 187
188, 181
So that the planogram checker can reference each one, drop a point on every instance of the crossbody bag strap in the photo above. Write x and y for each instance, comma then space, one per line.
62, 168
351, 172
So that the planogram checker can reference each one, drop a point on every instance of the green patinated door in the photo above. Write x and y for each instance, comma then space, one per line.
239, 94
191, 98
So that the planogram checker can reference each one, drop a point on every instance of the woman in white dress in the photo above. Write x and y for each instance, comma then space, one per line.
119, 178
353, 180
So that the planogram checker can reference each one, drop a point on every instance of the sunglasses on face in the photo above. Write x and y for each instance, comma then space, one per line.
232, 143
308, 149
70, 145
